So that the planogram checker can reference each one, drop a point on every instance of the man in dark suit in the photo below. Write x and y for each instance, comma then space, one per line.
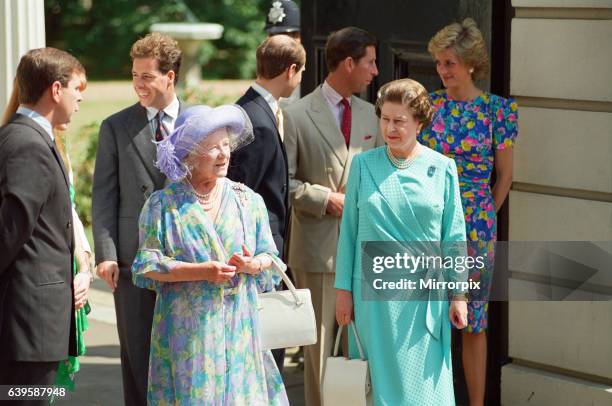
37, 323
262, 165
124, 178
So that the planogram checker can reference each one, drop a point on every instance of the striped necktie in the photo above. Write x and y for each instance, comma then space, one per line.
160, 129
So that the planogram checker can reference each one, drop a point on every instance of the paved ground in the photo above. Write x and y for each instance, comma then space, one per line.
99, 381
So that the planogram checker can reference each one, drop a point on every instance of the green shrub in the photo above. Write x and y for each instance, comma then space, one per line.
193, 96
83, 175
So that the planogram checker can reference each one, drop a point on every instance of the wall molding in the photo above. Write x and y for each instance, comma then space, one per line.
562, 192
564, 104
564, 13
588, 378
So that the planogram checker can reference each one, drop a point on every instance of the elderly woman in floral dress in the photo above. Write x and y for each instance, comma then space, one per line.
206, 249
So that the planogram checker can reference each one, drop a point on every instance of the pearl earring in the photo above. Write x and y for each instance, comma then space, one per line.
471, 70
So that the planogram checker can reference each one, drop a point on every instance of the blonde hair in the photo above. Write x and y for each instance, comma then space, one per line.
12, 105
410, 94
467, 42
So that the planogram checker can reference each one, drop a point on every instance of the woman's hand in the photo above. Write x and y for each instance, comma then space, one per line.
344, 307
218, 272
245, 263
81, 283
457, 312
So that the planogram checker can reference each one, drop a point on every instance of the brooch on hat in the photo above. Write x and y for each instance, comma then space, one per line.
276, 13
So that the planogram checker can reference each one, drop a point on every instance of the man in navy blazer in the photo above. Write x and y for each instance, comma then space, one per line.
262, 165
37, 319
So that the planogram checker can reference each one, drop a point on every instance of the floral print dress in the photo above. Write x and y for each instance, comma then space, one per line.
470, 132
205, 339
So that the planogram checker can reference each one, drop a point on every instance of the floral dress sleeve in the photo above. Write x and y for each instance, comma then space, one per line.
151, 255
269, 277
505, 122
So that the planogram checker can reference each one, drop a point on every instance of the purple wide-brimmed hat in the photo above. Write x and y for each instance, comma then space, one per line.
192, 127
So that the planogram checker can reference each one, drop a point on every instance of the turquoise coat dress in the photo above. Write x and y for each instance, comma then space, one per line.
407, 343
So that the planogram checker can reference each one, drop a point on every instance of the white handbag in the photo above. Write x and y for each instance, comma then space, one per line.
346, 382
286, 317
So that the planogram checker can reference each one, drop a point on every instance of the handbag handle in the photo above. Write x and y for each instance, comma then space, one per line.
287, 281
337, 344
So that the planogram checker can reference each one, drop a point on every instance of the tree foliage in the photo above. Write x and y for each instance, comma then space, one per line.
101, 32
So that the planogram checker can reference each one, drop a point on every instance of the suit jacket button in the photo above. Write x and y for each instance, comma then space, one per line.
69, 224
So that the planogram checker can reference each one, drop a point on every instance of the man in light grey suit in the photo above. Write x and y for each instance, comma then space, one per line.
323, 132
124, 178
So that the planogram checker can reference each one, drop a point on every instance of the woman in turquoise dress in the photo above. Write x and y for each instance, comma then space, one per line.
206, 248
477, 130
408, 193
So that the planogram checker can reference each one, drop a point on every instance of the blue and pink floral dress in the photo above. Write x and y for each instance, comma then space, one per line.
470, 132
205, 339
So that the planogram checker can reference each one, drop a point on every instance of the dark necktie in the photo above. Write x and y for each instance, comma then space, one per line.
159, 126
345, 127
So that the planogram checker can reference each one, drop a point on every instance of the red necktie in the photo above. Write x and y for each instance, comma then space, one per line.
346, 121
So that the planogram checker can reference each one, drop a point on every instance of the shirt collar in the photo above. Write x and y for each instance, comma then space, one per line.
39, 119
170, 110
332, 96
272, 102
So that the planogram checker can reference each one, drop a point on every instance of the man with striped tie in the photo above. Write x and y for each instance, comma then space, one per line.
124, 178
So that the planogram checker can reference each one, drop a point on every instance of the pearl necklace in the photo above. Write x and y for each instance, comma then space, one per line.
401, 163
207, 200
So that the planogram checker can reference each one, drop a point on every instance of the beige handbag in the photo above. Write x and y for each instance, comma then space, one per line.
286, 317
347, 381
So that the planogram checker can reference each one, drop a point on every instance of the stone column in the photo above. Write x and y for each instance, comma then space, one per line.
22, 27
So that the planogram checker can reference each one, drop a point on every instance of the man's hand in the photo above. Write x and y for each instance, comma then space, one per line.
109, 271
81, 284
335, 204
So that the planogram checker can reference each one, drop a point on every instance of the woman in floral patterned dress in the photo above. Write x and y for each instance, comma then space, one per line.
477, 129
206, 249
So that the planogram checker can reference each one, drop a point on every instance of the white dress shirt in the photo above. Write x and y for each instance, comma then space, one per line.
171, 112
40, 120
274, 106
333, 100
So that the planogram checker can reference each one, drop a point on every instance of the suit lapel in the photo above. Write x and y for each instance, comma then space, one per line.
263, 104
21, 119
358, 132
321, 116
260, 101
143, 142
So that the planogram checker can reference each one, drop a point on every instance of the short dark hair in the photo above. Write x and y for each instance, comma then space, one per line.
163, 49
347, 42
39, 68
277, 53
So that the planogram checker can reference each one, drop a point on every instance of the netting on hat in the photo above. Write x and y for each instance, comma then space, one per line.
194, 125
